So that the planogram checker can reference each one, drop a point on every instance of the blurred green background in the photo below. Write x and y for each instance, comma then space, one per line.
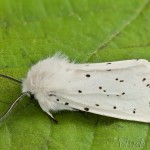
86, 31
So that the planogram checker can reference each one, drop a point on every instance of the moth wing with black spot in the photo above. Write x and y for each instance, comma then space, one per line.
117, 89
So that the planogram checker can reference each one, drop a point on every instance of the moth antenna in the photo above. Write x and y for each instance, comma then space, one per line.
11, 78
13, 105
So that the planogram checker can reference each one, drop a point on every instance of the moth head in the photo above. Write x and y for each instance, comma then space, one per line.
27, 86
31, 83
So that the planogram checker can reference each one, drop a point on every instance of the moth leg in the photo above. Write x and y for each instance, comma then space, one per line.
51, 116
82, 112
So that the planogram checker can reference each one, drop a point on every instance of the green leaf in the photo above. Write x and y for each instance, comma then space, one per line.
86, 31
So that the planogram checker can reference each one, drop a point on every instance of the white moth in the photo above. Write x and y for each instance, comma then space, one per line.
116, 89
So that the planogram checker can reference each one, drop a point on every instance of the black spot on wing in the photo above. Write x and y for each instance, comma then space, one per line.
79, 91
100, 87
52, 95
114, 107
119, 80
66, 103
144, 79
96, 104
148, 85
123, 93
87, 75
134, 111
86, 109
109, 70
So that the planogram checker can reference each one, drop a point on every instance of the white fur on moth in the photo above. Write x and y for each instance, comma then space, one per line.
116, 89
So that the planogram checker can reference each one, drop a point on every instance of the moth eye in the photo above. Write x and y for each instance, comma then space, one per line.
32, 96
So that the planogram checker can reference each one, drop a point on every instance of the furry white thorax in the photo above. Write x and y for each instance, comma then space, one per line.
45, 78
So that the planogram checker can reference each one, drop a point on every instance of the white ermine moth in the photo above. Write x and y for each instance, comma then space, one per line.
118, 89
